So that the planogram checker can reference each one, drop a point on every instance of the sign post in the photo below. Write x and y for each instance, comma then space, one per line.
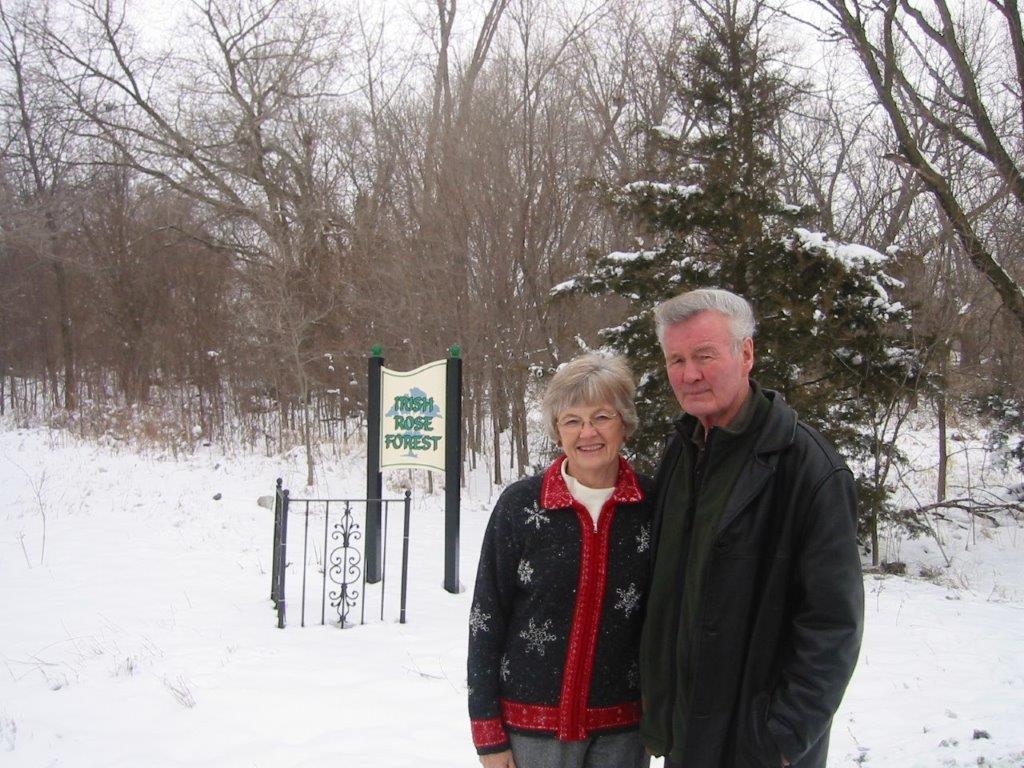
453, 470
374, 483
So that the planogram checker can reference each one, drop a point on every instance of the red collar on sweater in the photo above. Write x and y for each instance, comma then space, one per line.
554, 493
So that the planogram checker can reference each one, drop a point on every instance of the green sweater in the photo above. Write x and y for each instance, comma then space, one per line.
698, 488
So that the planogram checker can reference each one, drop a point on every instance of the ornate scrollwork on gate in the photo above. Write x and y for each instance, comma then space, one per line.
345, 565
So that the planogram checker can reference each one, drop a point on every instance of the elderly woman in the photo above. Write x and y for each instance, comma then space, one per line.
560, 589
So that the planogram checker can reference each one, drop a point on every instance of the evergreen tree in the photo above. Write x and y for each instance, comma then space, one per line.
831, 337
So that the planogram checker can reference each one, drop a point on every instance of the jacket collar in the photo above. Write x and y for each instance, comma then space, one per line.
554, 493
779, 429
777, 433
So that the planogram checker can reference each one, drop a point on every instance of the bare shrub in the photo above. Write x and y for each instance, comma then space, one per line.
181, 691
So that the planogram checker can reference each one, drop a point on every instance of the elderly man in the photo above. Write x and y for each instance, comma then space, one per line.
755, 613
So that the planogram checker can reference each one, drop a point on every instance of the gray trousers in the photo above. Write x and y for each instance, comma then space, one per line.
609, 750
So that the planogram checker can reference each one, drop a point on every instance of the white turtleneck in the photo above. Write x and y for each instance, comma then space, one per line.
591, 498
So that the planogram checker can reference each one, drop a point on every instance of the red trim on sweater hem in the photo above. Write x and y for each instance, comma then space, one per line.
537, 717
488, 733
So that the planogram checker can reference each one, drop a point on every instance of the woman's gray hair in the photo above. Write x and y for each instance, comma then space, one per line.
686, 305
591, 379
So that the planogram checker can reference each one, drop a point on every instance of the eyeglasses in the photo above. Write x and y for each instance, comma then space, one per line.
599, 421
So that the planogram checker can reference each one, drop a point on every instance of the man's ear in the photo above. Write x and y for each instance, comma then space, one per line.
747, 353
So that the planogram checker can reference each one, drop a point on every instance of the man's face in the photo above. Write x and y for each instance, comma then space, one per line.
707, 374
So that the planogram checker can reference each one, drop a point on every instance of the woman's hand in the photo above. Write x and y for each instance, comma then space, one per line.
498, 760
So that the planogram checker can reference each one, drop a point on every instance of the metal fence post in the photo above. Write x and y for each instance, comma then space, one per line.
282, 563
405, 556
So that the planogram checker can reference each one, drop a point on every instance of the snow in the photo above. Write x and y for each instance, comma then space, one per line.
568, 286
661, 188
667, 132
852, 255
141, 633
137, 629
626, 257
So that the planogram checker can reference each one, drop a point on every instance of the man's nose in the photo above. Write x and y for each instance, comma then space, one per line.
691, 373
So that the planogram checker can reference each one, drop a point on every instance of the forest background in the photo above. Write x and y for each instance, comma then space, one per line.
211, 213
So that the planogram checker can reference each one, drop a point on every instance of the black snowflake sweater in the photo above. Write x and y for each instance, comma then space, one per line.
557, 611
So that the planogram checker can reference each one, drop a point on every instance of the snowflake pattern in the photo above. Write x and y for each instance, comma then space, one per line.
506, 668
536, 637
643, 540
535, 515
629, 600
478, 621
525, 572
633, 675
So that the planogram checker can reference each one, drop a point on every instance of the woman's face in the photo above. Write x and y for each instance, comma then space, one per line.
591, 436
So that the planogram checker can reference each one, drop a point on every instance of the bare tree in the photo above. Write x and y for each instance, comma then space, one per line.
235, 120
40, 141
961, 73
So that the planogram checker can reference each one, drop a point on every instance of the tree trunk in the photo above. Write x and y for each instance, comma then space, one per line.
875, 558
940, 404
66, 338
307, 439
519, 426
49, 379
496, 431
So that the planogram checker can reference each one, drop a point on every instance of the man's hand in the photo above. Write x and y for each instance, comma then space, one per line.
498, 760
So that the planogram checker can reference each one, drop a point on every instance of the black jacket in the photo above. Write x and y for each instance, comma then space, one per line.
554, 628
780, 619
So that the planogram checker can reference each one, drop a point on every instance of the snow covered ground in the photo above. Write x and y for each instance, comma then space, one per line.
136, 629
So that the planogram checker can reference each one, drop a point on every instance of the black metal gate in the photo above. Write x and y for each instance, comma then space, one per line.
332, 529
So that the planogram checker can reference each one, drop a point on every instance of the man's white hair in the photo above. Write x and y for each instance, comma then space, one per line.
692, 303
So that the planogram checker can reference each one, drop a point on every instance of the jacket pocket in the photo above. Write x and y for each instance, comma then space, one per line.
760, 749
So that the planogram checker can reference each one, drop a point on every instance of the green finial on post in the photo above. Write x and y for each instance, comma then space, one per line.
454, 351
376, 351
